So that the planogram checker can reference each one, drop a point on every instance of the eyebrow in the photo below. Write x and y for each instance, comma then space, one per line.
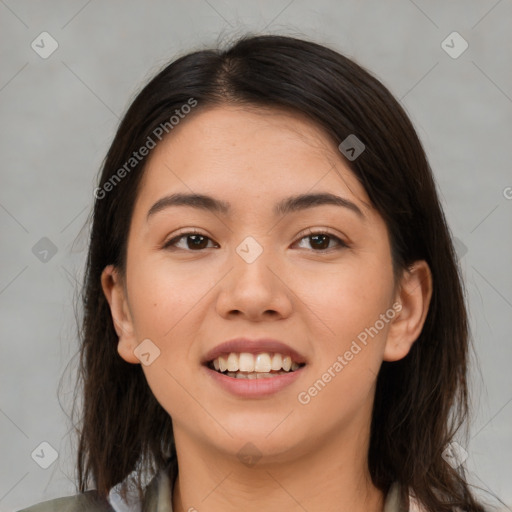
284, 207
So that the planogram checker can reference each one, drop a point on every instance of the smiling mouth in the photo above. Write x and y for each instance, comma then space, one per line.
254, 366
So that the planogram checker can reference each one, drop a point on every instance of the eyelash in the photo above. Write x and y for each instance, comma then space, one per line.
170, 245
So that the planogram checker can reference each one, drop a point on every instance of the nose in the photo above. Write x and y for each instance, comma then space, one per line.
255, 290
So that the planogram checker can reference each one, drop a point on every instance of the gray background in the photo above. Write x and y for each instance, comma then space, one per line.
58, 116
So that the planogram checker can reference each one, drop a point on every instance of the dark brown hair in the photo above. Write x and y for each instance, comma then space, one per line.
422, 400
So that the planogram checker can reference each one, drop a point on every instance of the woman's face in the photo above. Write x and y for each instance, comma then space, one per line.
282, 246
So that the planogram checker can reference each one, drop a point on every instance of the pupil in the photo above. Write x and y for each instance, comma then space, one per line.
195, 239
320, 241
323, 244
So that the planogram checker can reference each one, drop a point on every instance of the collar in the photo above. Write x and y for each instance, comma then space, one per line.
158, 495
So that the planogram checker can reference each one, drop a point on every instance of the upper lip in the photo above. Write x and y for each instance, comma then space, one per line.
256, 346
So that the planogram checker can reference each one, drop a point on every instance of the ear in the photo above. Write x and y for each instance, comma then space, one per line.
413, 296
115, 292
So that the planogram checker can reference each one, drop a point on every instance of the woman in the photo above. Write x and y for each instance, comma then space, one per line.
274, 317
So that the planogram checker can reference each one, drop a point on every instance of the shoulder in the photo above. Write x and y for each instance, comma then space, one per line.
86, 502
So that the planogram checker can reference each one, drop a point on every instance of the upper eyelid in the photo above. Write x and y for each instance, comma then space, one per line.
324, 231
188, 231
304, 234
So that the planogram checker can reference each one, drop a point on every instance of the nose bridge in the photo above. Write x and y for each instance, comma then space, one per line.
251, 261
251, 250
254, 287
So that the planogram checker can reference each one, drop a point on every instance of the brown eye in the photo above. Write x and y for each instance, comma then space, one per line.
323, 241
192, 242
320, 241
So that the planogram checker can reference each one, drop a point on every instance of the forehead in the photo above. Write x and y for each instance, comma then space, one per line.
245, 154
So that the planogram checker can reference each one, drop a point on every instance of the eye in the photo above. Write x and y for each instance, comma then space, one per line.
190, 241
321, 241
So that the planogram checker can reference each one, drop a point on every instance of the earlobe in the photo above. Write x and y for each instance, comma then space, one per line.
414, 294
115, 293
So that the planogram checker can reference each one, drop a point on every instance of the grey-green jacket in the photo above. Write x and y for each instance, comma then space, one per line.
158, 498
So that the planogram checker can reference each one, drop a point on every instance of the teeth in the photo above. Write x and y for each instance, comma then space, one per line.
253, 375
246, 362
223, 364
265, 375
232, 362
277, 362
262, 363
251, 366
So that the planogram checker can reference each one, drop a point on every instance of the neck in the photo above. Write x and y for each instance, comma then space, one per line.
316, 480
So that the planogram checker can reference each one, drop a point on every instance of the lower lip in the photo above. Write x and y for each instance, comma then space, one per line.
254, 388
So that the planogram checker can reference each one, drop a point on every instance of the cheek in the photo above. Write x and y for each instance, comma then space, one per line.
161, 296
355, 310
341, 381
352, 298
163, 302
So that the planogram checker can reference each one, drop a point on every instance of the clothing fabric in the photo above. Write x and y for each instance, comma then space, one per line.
158, 498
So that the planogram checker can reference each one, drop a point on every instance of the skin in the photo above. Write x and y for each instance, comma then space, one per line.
187, 301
